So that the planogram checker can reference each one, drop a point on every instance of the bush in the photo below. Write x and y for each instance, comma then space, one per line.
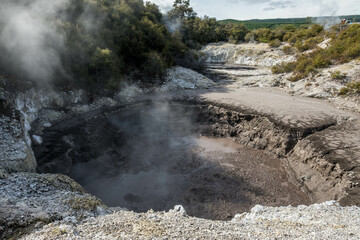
311, 43
154, 68
250, 37
351, 88
237, 33
337, 75
264, 35
283, 67
275, 43
352, 51
288, 50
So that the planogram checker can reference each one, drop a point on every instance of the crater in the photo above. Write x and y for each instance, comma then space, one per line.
154, 155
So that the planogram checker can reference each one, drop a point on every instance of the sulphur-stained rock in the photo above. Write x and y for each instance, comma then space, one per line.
27, 199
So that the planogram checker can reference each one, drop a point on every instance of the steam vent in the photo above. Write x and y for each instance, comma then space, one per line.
128, 120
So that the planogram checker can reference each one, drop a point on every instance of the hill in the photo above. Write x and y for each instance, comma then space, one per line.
276, 22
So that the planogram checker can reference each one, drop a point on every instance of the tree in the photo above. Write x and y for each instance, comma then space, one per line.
181, 9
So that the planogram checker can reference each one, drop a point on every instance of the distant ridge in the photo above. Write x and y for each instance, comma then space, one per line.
275, 22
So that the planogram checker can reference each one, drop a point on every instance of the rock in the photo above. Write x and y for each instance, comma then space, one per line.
252, 54
272, 222
128, 92
15, 153
183, 78
47, 125
37, 139
29, 198
178, 209
258, 209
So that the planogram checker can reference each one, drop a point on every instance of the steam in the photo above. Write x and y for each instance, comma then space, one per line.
327, 22
172, 24
154, 147
327, 8
90, 20
165, 5
28, 37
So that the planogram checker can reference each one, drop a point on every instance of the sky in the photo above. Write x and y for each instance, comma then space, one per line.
262, 9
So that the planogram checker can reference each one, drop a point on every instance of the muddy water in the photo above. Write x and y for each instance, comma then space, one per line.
151, 156
221, 145
154, 186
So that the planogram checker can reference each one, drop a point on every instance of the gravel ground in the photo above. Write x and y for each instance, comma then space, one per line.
319, 221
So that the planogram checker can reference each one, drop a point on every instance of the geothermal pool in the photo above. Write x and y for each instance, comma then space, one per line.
154, 155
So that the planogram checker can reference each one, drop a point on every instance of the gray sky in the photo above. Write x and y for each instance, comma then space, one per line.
250, 9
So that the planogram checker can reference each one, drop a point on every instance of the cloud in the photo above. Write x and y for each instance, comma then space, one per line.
279, 5
247, 1
269, 9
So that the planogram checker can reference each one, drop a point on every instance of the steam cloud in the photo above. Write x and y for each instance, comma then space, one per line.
29, 39
327, 8
154, 146
327, 22
172, 24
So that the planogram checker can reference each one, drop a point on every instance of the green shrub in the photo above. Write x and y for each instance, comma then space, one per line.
251, 36
351, 88
154, 67
275, 43
353, 51
283, 68
264, 35
296, 77
288, 50
337, 75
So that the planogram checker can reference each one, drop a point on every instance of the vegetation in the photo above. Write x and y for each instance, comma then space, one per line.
301, 38
107, 40
196, 31
345, 46
270, 23
351, 88
132, 39
124, 38
337, 75
273, 24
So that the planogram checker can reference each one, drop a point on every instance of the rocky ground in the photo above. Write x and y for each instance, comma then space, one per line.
317, 142
319, 221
